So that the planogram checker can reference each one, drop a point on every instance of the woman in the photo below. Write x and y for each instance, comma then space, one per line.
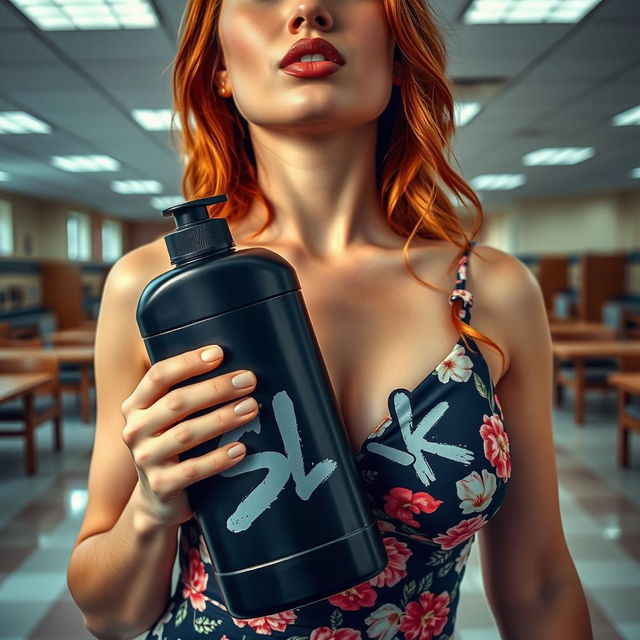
346, 165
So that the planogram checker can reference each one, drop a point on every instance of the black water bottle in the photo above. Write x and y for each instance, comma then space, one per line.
278, 523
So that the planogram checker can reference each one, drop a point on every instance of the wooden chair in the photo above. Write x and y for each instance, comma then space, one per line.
5, 330
47, 406
8, 343
628, 385
69, 377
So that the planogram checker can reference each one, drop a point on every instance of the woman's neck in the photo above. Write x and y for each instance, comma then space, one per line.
323, 189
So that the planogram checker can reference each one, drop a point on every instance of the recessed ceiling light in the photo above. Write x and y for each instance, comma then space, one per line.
153, 119
495, 182
558, 156
3, 176
527, 11
85, 163
164, 202
70, 15
635, 173
136, 186
21, 122
465, 112
626, 118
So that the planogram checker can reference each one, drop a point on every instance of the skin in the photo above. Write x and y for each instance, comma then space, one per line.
314, 142
314, 139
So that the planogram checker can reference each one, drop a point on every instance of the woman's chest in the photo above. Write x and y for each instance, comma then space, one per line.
377, 332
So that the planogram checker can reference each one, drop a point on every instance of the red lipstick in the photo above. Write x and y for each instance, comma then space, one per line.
292, 65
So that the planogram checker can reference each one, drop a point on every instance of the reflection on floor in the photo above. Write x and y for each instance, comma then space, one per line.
40, 516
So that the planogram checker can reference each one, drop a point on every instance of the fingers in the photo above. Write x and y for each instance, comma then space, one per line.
166, 373
178, 403
167, 482
189, 433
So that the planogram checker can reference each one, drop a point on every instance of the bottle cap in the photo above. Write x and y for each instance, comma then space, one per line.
196, 233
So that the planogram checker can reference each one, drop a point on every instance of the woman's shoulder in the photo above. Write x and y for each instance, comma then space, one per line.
136, 268
501, 276
125, 281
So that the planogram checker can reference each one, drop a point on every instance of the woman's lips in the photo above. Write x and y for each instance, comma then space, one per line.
311, 69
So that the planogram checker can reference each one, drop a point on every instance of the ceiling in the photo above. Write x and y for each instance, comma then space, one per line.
558, 85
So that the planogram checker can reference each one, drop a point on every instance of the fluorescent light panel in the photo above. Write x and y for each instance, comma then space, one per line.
3, 176
71, 15
465, 112
528, 11
560, 156
635, 173
164, 202
21, 122
153, 119
627, 118
136, 186
78, 164
498, 182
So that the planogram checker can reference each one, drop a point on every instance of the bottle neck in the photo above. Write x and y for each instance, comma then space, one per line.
183, 261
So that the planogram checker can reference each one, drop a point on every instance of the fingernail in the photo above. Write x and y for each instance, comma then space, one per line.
236, 451
244, 379
209, 355
245, 406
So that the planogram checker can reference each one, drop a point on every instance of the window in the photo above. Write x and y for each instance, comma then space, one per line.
78, 236
6, 228
111, 240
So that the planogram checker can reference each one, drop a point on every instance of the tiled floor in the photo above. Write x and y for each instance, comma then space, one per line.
600, 503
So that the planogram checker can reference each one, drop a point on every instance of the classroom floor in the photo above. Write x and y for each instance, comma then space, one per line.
40, 516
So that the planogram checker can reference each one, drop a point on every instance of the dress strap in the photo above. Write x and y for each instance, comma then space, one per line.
460, 290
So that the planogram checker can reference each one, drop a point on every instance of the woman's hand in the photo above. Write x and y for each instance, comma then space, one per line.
156, 432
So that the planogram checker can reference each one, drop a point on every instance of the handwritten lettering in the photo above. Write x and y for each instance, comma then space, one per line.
280, 466
416, 442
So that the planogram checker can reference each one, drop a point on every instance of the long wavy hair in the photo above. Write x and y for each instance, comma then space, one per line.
413, 171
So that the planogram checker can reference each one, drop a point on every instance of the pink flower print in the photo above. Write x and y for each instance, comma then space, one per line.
383, 622
456, 366
462, 558
325, 633
426, 616
396, 569
460, 532
385, 526
496, 445
352, 599
194, 579
224, 637
401, 503
265, 625
476, 492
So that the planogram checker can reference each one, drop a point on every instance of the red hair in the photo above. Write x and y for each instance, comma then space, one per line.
414, 133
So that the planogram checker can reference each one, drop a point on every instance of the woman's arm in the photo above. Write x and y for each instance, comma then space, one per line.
530, 579
120, 569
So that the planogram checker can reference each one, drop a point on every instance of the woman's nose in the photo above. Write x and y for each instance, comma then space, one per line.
312, 13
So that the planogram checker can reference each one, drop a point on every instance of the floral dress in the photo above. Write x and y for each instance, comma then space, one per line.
436, 470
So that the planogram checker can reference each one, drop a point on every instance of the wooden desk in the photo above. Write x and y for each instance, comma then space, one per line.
24, 385
70, 337
580, 350
628, 384
581, 330
82, 356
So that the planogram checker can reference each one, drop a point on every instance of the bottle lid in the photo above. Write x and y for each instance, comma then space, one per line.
196, 233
